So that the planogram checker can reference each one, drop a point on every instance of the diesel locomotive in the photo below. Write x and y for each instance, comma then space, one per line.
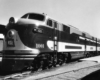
37, 41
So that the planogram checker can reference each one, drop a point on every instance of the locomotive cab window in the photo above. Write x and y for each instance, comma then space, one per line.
55, 24
34, 16
49, 22
66, 28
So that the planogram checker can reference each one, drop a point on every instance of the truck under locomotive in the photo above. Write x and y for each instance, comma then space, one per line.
37, 41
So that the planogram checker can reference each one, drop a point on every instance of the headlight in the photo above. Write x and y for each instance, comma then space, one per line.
11, 34
35, 30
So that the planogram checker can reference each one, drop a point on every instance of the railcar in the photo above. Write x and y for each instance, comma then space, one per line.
2, 37
37, 41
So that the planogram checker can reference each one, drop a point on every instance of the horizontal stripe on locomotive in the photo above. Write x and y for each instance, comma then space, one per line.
90, 48
98, 48
19, 52
73, 47
69, 47
18, 58
65, 46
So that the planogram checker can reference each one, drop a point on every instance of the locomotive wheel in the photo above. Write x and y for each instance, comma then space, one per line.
69, 57
87, 55
66, 57
50, 61
91, 54
35, 65
43, 63
60, 59
54, 60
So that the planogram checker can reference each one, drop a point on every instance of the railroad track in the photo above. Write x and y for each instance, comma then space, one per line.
16, 76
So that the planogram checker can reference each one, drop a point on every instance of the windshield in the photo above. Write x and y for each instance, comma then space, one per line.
34, 16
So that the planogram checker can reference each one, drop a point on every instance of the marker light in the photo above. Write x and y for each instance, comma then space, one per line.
37, 30
0, 59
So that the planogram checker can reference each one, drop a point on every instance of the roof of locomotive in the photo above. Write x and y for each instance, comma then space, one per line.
36, 13
72, 28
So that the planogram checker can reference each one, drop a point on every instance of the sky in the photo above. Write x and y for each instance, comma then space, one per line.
82, 14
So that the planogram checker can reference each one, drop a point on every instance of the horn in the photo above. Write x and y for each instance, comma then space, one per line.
11, 20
